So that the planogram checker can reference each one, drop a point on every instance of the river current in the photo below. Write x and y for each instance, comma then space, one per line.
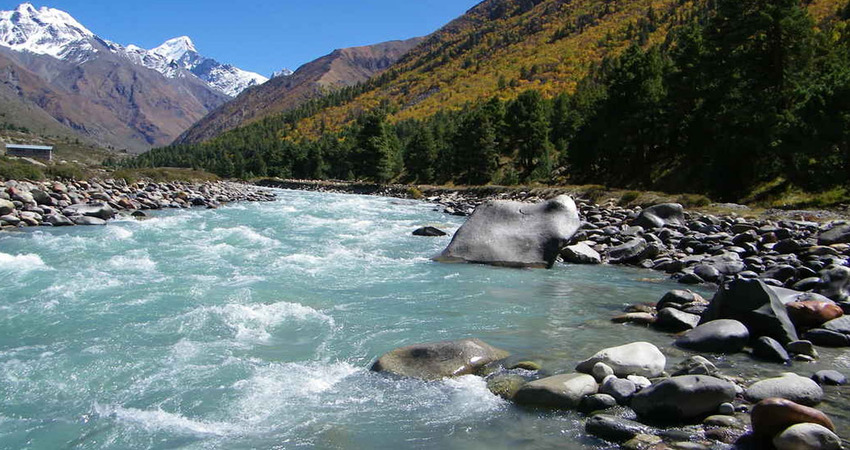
254, 325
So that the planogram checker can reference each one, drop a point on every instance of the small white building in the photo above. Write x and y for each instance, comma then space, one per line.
43, 152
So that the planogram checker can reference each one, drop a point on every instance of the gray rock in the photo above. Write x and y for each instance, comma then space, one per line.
559, 391
807, 436
505, 385
619, 388
437, 360
829, 378
600, 371
6, 207
683, 399
761, 308
515, 234
614, 429
768, 349
726, 409
429, 232
802, 348
836, 235
101, 211
86, 220
639, 381
58, 220
666, 214
627, 252
679, 297
707, 273
827, 338
839, 325
789, 386
10, 219
637, 358
719, 336
41, 197
596, 402
674, 320
835, 283
581, 254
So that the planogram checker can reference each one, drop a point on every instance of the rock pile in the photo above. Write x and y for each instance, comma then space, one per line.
54, 203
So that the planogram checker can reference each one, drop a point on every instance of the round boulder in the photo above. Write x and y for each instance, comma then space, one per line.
807, 436
789, 386
813, 313
437, 360
683, 399
637, 358
718, 336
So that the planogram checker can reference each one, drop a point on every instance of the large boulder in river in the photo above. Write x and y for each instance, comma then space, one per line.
515, 234
761, 308
98, 210
637, 358
683, 399
437, 360
559, 391
665, 214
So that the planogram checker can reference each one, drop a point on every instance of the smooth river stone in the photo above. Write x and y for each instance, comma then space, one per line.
559, 391
437, 360
637, 358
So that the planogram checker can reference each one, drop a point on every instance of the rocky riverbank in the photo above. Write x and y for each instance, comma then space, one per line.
54, 203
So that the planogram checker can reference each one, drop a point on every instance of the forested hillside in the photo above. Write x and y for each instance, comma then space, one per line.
712, 97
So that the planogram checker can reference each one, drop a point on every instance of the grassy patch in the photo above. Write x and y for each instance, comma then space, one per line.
11, 169
164, 174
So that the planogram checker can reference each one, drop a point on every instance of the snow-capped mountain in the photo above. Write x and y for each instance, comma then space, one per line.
45, 32
282, 73
51, 32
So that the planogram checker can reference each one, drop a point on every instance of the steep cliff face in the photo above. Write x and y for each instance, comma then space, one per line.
343, 67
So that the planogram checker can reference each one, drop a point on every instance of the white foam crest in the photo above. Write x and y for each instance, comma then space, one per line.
159, 420
244, 234
133, 262
469, 396
284, 386
256, 322
119, 233
21, 263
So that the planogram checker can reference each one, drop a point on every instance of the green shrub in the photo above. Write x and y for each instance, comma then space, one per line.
694, 200
67, 172
11, 169
629, 197
414, 192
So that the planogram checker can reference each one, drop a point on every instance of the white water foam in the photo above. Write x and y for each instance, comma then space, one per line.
21, 263
256, 322
159, 420
242, 235
137, 261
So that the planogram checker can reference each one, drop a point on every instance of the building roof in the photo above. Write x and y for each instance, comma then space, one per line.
29, 147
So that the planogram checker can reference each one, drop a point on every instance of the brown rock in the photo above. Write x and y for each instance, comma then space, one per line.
640, 318
813, 313
773, 415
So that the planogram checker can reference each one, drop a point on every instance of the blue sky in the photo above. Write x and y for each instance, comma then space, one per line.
262, 36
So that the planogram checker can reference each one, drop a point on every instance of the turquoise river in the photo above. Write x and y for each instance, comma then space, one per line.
254, 326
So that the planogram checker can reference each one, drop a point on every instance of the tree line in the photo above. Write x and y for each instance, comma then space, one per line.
745, 92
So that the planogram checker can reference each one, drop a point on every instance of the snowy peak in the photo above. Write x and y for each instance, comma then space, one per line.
175, 49
44, 31
55, 33
282, 73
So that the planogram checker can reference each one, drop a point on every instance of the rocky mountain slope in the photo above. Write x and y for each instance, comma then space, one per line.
343, 67
64, 78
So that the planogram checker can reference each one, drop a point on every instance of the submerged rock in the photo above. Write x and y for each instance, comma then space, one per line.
515, 234
614, 429
437, 360
429, 232
638, 358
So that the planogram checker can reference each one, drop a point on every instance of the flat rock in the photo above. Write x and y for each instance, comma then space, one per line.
86, 220
515, 234
98, 210
829, 378
836, 235
827, 338
429, 232
581, 254
614, 429
672, 319
801, 390
559, 391
683, 398
719, 336
637, 358
627, 252
437, 360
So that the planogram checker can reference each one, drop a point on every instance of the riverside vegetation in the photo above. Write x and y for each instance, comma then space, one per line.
740, 95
